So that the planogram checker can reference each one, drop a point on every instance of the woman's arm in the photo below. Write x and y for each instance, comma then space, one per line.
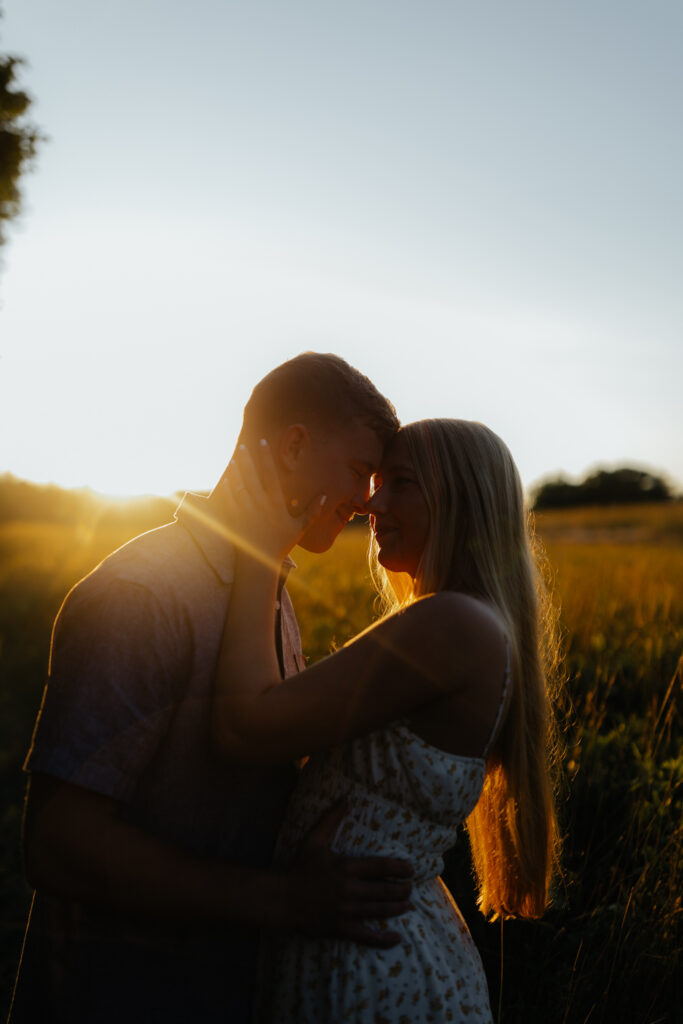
402, 663
433, 648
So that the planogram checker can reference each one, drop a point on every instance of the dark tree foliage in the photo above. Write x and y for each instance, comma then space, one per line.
603, 487
18, 139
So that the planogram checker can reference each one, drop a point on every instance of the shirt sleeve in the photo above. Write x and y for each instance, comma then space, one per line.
117, 670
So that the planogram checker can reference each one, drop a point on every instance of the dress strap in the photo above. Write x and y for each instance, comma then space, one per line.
503, 701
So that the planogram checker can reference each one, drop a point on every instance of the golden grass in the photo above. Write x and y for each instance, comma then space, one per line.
617, 571
612, 950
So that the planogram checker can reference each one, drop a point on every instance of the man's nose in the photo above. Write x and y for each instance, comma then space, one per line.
359, 501
359, 504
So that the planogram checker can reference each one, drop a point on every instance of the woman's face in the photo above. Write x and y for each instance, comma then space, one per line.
398, 510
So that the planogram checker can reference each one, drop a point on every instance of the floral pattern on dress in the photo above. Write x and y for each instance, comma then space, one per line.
406, 798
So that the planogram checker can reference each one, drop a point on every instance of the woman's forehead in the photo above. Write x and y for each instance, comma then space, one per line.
396, 455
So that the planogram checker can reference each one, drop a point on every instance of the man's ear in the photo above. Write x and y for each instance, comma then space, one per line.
293, 446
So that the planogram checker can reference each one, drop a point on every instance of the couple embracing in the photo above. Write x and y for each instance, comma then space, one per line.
186, 869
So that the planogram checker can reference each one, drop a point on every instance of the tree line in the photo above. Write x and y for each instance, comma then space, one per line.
623, 486
23, 501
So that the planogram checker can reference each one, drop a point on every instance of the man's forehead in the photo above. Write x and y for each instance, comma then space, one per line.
362, 444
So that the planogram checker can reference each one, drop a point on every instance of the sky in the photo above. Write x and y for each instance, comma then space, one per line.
479, 205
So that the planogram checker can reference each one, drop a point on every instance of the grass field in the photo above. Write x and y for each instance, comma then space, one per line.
609, 949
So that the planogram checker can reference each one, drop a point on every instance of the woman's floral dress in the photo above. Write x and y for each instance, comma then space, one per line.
406, 799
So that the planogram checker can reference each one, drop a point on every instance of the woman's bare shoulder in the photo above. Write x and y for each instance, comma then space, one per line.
473, 641
464, 614
456, 637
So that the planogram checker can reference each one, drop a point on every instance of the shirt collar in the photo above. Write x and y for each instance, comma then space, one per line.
209, 533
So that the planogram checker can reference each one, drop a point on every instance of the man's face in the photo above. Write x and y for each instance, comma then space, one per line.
341, 465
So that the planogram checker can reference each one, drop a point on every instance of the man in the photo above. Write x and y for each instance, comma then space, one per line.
149, 855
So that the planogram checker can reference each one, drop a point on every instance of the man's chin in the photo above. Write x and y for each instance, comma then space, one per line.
318, 541
315, 547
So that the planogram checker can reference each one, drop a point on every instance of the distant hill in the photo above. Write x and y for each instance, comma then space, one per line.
22, 501
624, 486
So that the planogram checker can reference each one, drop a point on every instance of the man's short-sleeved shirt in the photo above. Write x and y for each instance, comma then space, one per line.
126, 713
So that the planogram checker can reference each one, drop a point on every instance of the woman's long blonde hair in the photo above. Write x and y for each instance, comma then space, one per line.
481, 542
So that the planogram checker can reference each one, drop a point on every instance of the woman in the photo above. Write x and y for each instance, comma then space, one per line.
436, 715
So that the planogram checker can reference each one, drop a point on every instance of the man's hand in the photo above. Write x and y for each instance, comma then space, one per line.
265, 527
332, 895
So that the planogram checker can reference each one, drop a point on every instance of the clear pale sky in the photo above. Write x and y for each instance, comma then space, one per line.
476, 203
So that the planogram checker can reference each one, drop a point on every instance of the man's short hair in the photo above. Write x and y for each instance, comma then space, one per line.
320, 389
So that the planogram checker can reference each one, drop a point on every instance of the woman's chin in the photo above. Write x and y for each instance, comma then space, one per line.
391, 562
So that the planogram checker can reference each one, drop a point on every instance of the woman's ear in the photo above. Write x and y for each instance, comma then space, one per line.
293, 446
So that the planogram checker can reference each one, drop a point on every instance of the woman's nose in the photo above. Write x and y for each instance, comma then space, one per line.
376, 503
